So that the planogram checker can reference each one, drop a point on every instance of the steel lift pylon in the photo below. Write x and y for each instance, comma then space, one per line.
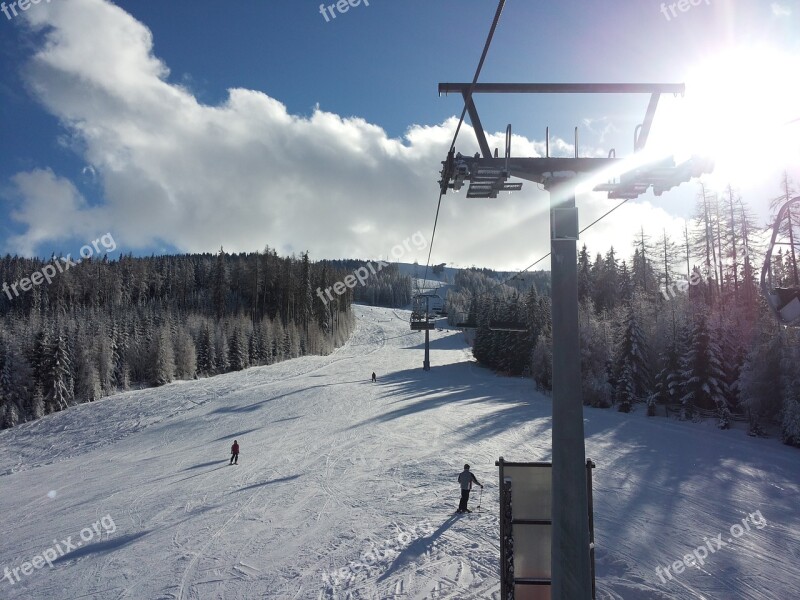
487, 175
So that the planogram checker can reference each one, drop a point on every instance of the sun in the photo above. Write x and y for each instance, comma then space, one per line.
741, 108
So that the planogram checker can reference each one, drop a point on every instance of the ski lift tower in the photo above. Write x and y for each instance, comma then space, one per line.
421, 321
487, 175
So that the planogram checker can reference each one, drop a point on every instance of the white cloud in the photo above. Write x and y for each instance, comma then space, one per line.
52, 208
781, 10
246, 173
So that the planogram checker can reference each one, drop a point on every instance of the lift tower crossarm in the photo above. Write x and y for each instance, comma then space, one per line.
564, 88
643, 131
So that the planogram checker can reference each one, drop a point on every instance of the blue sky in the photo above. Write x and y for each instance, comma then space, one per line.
121, 119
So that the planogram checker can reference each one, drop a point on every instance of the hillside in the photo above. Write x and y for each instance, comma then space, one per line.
335, 469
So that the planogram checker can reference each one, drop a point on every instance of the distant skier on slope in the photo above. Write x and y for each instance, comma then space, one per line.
235, 453
374, 377
466, 478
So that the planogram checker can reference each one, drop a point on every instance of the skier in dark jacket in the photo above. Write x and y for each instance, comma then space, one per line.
374, 377
466, 478
235, 453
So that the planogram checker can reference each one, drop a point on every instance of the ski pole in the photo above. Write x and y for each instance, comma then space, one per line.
479, 499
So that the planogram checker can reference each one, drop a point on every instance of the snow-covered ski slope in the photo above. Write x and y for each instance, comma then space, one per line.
338, 474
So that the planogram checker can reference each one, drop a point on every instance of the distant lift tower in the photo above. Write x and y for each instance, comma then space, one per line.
487, 175
421, 321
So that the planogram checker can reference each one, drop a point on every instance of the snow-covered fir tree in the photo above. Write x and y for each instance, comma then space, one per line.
59, 380
222, 357
206, 353
185, 355
703, 373
162, 367
237, 355
631, 364
596, 347
669, 380
542, 362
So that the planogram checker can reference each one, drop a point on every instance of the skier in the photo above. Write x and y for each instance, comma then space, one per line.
374, 377
466, 478
235, 453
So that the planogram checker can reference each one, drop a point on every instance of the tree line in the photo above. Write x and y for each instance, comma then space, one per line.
109, 325
681, 323
386, 287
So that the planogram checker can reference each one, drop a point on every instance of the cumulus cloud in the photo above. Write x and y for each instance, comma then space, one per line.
246, 173
781, 10
52, 208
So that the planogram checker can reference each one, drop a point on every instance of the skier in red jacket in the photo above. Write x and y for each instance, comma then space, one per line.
235, 453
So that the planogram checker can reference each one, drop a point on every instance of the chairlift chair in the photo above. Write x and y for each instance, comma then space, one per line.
783, 300
420, 322
420, 315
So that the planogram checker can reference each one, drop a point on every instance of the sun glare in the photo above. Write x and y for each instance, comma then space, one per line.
741, 108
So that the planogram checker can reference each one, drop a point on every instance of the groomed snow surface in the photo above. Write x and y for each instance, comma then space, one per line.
346, 488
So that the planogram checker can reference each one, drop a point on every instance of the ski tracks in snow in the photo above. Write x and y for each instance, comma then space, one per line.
364, 463
453, 562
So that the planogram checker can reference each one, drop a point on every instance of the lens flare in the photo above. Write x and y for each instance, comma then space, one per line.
742, 108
